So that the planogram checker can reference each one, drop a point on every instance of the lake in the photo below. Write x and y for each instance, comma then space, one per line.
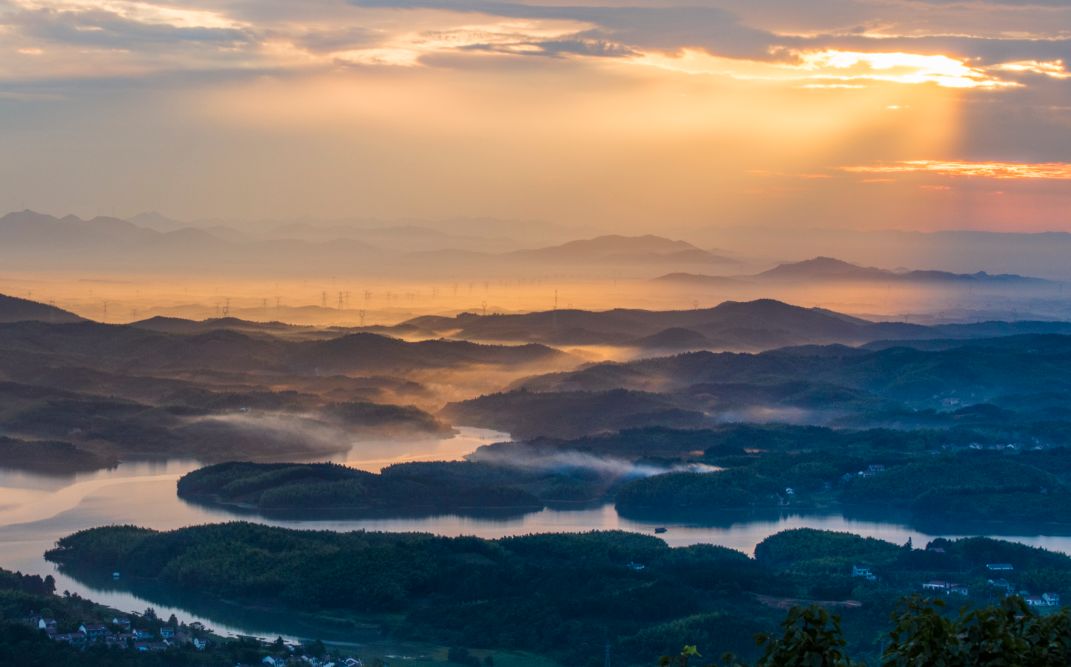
36, 510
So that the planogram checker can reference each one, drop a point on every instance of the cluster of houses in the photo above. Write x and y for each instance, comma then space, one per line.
1007, 588
1002, 585
308, 661
120, 633
864, 572
946, 587
871, 470
950, 588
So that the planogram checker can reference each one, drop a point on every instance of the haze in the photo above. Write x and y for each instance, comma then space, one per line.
534, 333
611, 116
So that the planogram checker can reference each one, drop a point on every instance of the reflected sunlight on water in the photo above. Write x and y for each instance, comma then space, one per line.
37, 510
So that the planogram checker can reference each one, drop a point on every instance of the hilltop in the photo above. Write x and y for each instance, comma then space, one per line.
14, 309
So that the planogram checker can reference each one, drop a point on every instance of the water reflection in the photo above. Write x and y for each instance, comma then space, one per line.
36, 510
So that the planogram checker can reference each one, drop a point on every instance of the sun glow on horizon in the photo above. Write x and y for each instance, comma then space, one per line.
996, 170
833, 69
899, 67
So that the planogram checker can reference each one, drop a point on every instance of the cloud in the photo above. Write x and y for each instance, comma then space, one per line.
144, 37
1060, 171
1054, 69
659, 35
669, 28
341, 39
108, 29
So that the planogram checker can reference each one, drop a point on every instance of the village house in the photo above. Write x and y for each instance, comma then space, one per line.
47, 624
93, 631
1005, 586
946, 587
74, 638
864, 572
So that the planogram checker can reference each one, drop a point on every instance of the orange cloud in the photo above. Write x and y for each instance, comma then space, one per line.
997, 170
898, 67
1053, 68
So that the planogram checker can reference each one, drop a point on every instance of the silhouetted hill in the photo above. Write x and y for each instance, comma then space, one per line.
14, 309
829, 269
177, 325
29, 229
156, 243
823, 268
752, 325
675, 338
526, 414
123, 347
1023, 378
621, 249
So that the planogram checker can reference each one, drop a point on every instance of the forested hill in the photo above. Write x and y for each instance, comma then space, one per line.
561, 595
14, 309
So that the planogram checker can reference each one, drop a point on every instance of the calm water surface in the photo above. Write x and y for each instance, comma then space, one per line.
37, 510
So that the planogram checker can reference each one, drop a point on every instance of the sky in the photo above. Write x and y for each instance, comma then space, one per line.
620, 115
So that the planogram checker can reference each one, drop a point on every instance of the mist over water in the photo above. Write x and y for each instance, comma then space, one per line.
37, 510
570, 461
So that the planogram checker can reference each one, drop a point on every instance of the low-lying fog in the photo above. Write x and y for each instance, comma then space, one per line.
354, 302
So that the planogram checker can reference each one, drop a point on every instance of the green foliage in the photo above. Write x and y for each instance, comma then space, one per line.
405, 488
686, 491
1008, 634
565, 595
810, 637
821, 550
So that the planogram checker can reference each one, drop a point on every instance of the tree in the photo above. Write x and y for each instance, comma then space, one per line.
1007, 634
922, 635
811, 637
316, 649
689, 652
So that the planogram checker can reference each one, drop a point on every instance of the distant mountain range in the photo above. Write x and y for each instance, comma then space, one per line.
623, 250
156, 243
1042, 254
743, 326
828, 269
